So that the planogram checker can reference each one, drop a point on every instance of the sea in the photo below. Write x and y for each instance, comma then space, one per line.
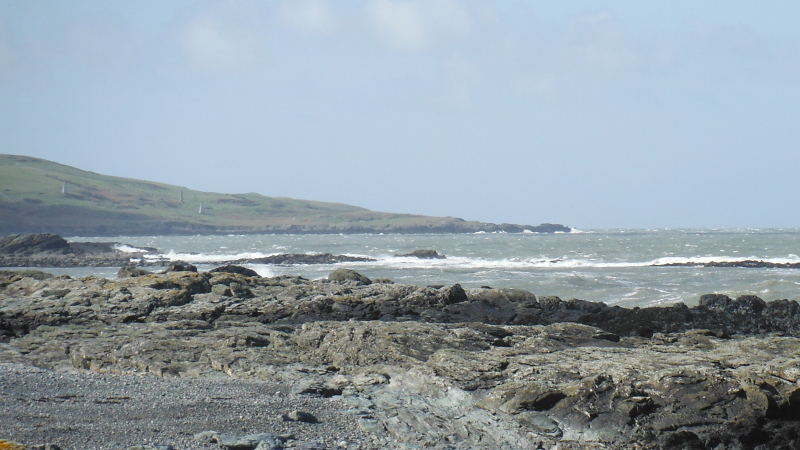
618, 267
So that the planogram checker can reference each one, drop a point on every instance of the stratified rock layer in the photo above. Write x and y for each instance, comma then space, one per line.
440, 368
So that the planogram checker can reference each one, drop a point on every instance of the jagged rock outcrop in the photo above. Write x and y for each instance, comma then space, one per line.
438, 367
131, 271
305, 258
180, 266
348, 275
50, 250
229, 268
748, 263
424, 254
30, 244
21, 245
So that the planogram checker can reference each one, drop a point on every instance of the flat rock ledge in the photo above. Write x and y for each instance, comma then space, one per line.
384, 365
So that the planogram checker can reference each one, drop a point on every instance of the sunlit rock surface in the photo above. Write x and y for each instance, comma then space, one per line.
437, 367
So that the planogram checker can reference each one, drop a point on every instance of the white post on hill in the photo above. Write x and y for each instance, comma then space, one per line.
201, 207
64, 189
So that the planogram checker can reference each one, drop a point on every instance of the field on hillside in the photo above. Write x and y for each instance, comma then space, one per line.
32, 198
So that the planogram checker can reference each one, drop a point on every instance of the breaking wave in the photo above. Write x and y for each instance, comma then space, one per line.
129, 249
200, 258
460, 262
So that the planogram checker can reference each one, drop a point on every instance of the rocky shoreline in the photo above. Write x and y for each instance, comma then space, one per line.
50, 250
394, 366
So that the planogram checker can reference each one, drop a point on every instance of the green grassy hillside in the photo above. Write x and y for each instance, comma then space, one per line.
31, 200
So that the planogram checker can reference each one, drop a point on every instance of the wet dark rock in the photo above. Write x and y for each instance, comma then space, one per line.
424, 254
746, 304
49, 250
31, 244
751, 264
544, 228
230, 268
93, 247
180, 267
454, 294
303, 258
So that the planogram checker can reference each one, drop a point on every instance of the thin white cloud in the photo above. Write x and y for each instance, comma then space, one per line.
417, 24
595, 18
597, 43
310, 16
208, 43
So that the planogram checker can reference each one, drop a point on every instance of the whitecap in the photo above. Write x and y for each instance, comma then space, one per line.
264, 270
205, 257
699, 260
129, 249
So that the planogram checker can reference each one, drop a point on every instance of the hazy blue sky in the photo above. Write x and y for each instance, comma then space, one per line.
593, 114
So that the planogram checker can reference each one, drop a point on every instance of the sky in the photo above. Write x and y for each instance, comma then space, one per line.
593, 114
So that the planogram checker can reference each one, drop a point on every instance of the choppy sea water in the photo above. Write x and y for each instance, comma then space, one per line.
612, 266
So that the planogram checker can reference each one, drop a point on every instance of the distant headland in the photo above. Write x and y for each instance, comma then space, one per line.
40, 196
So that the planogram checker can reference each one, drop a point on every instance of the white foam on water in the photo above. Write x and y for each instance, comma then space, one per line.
457, 262
471, 263
567, 263
201, 258
264, 270
207, 258
128, 249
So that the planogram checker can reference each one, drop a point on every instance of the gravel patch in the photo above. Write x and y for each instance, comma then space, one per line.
100, 411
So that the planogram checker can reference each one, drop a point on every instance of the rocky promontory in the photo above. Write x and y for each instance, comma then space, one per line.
50, 250
400, 366
748, 263
423, 254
